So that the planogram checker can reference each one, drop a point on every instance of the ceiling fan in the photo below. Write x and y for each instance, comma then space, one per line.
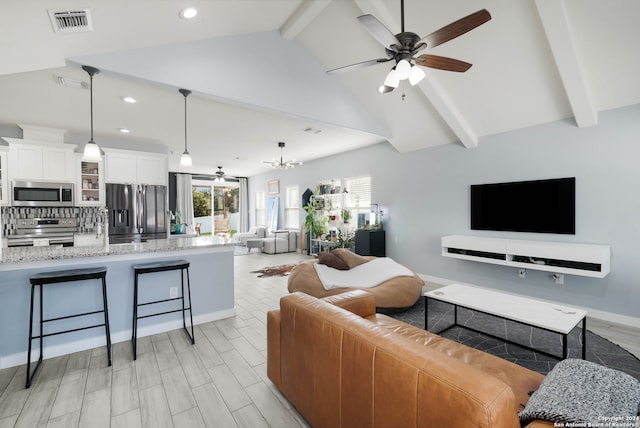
403, 47
220, 176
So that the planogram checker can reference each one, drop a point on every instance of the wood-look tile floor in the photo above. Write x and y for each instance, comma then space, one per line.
220, 381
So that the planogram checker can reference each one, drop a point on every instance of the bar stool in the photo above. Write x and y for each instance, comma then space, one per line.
44, 278
140, 269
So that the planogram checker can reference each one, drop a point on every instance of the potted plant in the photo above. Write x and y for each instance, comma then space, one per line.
346, 216
315, 223
346, 238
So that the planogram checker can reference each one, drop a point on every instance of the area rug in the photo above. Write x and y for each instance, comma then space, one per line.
268, 272
599, 349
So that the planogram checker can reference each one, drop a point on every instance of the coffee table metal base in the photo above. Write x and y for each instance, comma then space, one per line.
456, 324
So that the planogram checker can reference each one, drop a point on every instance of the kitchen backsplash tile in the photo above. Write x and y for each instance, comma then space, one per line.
87, 216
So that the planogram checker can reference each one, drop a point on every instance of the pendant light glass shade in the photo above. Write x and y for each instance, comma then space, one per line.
91, 149
185, 159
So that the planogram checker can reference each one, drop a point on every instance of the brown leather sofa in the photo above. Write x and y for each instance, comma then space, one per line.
342, 365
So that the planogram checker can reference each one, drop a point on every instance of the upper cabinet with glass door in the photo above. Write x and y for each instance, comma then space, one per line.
90, 182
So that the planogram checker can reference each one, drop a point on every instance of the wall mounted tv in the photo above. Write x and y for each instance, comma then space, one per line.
541, 206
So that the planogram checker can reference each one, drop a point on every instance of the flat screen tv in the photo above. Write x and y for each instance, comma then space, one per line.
541, 206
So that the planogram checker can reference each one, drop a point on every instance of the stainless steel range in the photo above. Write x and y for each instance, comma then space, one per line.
42, 232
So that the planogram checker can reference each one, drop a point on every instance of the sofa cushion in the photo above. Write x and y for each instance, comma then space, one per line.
332, 260
583, 392
520, 380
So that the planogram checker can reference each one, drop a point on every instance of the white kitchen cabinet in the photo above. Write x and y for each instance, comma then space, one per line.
89, 182
126, 166
32, 160
4, 180
120, 167
152, 169
58, 164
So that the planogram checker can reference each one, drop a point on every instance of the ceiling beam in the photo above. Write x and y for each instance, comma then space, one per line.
448, 110
429, 86
301, 17
558, 31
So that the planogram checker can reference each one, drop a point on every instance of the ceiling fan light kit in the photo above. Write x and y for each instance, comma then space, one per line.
219, 176
91, 149
416, 75
185, 159
404, 46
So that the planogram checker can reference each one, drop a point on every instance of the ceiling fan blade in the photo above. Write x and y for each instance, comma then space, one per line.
358, 65
384, 89
457, 28
442, 63
379, 31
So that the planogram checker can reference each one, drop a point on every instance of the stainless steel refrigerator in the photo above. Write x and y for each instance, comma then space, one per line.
137, 213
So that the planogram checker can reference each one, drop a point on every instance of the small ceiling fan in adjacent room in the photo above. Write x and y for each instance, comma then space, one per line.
404, 46
220, 176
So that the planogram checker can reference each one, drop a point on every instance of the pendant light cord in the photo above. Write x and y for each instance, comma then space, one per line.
185, 123
185, 93
91, 103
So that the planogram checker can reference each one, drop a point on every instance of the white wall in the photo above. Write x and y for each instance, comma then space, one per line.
425, 194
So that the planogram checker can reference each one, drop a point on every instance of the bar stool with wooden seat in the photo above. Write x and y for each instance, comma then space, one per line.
164, 266
45, 278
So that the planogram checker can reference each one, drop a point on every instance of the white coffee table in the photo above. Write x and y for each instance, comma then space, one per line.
537, 313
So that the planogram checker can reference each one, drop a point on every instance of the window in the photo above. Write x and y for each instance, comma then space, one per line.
215, 207
358, 199
292, 207
261, 209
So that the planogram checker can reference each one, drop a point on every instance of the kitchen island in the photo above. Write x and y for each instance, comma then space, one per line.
212, 291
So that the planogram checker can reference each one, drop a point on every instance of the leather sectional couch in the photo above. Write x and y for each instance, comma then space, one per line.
343, 365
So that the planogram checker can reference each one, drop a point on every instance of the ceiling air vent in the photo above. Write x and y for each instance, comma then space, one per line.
71, 83
71, 21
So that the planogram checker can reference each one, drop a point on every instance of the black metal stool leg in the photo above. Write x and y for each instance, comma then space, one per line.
134, 333
193, 337
28, 381
106, 318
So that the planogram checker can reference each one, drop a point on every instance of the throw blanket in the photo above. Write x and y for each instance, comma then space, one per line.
366, 275
585, 394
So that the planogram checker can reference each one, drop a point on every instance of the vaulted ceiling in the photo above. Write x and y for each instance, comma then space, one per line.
257, 69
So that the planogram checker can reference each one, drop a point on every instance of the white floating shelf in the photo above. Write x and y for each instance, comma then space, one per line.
560, 257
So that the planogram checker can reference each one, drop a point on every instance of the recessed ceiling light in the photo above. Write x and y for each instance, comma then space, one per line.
129, 100
188, 13
124, 130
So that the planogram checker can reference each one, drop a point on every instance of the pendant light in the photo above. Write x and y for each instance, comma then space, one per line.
91, 149
185, 159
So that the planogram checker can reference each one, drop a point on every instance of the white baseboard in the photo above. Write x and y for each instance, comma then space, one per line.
99, 340
435, 282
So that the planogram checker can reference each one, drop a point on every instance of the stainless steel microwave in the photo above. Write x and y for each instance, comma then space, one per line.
41, 194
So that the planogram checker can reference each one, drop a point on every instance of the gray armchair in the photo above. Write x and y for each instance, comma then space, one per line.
258, 232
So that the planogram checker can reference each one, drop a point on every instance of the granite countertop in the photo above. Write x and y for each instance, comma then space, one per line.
34, 254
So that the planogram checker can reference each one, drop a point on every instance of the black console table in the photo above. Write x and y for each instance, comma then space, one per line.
370, 243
